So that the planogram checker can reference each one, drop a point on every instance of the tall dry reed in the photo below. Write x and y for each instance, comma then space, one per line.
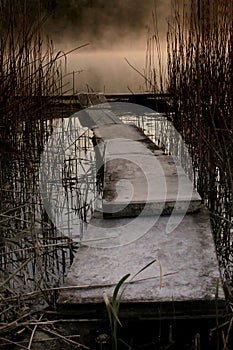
200, 76
33, 257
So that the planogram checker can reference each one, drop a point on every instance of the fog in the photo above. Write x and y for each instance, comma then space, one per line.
107, 71
113, 32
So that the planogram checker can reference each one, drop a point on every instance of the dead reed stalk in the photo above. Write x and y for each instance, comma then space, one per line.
33, 257
200, 75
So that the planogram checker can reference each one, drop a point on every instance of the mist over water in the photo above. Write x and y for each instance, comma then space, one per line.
114, 30
107, 71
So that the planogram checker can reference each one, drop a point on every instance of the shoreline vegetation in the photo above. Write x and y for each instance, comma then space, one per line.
200, 73
200, 76
34, 258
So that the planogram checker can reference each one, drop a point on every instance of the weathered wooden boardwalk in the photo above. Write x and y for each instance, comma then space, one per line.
140, 183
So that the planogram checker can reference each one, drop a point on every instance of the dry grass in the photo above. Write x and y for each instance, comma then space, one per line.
200, 70
33, 255
200, 76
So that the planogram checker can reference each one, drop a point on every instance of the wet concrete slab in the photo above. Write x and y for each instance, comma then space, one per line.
139, 177
186, 255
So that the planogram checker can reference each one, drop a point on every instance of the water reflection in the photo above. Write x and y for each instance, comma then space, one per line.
33, 256
67, 177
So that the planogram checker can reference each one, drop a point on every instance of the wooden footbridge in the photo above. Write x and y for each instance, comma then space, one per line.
142, 187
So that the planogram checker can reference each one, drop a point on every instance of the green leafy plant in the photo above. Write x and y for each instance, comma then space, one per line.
113, 309
113, 306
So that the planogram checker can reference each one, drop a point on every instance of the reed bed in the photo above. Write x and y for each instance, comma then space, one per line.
34, 256
200, 67
199, 76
